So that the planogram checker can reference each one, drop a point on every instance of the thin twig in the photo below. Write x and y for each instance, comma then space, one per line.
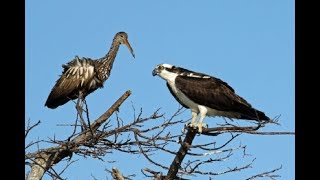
29, 128
266, 174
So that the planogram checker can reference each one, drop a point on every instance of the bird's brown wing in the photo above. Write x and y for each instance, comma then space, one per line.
76, 75
211, 92
216, 94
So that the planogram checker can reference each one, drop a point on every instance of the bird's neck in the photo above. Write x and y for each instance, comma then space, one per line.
111, 55
168, 76
107, 61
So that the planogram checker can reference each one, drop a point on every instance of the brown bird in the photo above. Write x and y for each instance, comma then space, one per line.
80, 77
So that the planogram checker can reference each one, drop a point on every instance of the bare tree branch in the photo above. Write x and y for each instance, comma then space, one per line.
268, 174
187, 144
29, 128
116, 174
176, 163
247, 129
47, 158
147, 139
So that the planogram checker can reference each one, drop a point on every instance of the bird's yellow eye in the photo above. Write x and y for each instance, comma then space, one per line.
161, 67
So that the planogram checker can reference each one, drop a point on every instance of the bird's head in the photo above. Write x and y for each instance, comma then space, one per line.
122, 38
166, 71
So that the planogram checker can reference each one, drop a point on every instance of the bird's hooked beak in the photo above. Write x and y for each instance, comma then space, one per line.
126, 42
156, 71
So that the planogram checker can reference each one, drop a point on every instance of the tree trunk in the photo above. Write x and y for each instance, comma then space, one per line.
185, 146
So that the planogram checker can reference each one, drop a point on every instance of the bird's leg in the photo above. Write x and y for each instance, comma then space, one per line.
200, 124
194, 116
203, 111
80, 109
87, 113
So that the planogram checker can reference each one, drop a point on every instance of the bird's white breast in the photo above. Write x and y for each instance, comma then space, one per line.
170, 78
183, 98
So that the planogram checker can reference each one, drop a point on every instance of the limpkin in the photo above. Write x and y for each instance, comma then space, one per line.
80, 77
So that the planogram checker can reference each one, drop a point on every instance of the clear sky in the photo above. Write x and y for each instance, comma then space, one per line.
248, 44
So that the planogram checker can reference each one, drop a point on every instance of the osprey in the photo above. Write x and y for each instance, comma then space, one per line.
206, 95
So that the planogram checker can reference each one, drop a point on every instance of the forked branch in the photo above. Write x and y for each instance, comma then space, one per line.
46, 158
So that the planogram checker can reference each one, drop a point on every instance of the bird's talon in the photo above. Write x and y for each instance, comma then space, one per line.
200, 126
192, 125
204, 125
183, 130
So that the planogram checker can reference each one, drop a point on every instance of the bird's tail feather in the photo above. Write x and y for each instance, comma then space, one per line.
55, 101
254, 114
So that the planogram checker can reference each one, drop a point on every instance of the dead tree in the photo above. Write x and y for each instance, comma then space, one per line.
177, 168
100, 137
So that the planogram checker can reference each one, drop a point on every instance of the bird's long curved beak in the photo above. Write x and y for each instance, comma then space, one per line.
126, 42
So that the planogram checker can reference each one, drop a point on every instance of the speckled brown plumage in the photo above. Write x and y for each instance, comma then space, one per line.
85, 75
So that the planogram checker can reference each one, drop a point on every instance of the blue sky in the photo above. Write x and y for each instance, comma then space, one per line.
248, 44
